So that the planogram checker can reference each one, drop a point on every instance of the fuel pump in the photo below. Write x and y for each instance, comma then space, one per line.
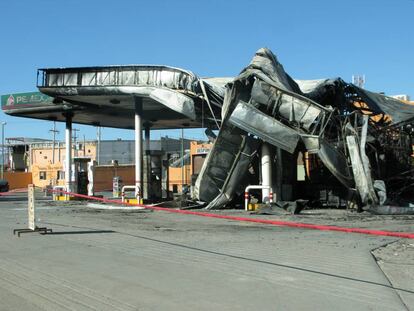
80, 173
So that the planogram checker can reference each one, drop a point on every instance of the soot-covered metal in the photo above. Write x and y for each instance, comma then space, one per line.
356, 144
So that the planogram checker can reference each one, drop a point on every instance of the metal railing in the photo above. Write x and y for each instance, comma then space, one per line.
59, 191
247, 195
137, 193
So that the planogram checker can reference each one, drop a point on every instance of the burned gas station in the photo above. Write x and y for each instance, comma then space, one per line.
354, 146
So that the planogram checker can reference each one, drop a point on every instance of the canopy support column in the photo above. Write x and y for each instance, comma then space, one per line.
138, 148
147, 167
68, 151
266, 161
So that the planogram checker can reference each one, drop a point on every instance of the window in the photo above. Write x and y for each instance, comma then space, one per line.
175, 188
42, 175
60, 174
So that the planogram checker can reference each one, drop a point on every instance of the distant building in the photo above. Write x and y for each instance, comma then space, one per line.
180, 176
46, 162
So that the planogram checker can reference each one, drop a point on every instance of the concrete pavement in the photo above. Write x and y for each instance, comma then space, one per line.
143, 260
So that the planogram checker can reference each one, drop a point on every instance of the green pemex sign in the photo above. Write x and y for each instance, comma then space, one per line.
25, 99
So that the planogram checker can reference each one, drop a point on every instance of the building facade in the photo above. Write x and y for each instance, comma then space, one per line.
46, 161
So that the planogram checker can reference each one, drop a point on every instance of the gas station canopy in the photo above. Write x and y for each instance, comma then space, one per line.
106, 96
130, 97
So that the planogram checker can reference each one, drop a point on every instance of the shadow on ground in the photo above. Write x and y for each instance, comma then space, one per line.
80, 232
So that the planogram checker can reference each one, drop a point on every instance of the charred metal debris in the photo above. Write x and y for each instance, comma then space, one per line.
356, 145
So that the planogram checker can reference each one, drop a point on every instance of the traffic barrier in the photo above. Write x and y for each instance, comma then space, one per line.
57, 191
281, 223
135, 200
251, 187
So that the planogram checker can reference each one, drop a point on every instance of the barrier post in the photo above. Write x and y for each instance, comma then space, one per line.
137, 190
31, 221
248, 188
30, 207
59, 192
246, 200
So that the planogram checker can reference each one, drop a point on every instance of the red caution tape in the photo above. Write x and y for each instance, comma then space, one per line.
255, 220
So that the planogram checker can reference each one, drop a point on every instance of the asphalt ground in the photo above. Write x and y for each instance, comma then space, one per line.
99, 259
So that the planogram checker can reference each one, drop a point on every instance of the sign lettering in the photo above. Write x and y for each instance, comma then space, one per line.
33, 98
203, 150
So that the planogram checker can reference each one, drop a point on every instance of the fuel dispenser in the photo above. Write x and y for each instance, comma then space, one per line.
80, 174
117, 185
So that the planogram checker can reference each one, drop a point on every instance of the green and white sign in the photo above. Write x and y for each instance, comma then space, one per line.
26, 99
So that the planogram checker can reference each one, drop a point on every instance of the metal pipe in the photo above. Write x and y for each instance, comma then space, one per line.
246, 194
68, 158
138, 147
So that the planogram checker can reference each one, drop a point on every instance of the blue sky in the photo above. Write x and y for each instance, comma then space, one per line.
312, 39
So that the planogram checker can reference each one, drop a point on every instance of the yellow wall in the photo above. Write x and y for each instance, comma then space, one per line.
43, 155
42, 158
175, 177
51, 174
18, 180
103, 175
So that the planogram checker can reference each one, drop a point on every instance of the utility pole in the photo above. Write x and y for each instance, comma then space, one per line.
75, 136
2, 148
54, 131
84, 146
182, 160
